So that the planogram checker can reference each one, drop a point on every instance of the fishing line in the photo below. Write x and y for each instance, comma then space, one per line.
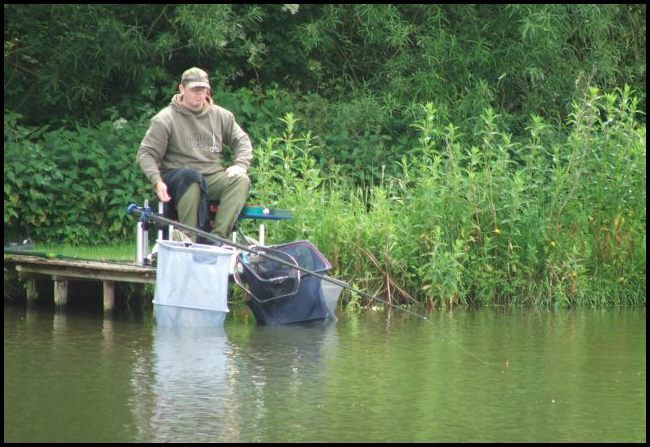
146, 214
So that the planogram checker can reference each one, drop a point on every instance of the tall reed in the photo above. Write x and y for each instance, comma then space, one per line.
555, 218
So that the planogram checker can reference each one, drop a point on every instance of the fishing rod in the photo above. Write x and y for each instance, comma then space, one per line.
146, 214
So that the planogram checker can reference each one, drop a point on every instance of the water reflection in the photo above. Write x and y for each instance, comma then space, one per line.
59, 324
277, 370
181, 386
491, 375
201, 384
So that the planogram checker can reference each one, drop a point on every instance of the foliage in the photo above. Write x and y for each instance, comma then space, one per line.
549, 220
79, 61
354, 74
556, 218
72, 185
517, 59
454, 154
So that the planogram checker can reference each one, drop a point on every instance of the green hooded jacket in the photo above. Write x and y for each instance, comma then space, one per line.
180, 138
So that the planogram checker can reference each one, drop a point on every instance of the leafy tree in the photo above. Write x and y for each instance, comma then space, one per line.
354, 74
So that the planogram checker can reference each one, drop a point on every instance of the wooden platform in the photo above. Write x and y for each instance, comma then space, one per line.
63, 270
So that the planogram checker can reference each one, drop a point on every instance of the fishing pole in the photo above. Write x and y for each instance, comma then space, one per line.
146, 214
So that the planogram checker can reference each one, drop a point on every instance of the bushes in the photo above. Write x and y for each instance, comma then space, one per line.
353, 73
513, 186
556, 217
546, 220
72, 185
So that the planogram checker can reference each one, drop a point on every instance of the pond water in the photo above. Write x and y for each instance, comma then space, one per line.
479, 375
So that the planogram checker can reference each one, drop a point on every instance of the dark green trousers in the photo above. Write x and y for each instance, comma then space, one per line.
231, 193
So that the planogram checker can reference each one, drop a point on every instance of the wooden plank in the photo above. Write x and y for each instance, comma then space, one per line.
148, 277
30, 288
60, 291
81, 264
109, 296
64, 270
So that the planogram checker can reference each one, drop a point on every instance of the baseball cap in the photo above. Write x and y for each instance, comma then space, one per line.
195, 77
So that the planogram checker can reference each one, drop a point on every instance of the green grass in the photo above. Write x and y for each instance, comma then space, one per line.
121, 252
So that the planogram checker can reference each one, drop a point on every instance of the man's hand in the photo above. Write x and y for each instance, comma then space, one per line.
235, 170
161, 192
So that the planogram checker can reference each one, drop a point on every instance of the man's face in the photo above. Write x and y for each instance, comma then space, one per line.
194, 98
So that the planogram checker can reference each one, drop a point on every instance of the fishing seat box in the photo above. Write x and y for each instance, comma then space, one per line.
191, 284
